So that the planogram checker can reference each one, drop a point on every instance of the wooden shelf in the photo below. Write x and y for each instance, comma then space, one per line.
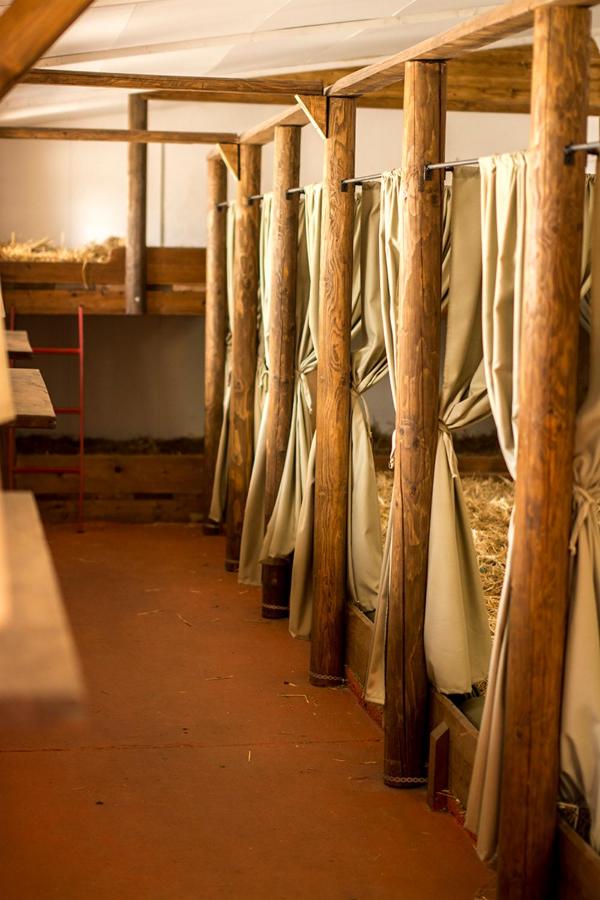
39, 672
31, 400
17, 345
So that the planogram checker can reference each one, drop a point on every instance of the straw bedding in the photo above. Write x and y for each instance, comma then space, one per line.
489, 500
44, 250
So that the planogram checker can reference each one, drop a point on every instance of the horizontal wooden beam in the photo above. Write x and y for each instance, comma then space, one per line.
487, 28
27, 29
196, 84
117, 134
264, 133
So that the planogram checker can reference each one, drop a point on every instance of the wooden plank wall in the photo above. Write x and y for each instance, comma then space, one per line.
176, 284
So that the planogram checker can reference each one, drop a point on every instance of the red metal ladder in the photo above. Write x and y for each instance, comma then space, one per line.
79, 411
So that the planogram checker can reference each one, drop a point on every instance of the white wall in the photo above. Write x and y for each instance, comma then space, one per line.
145, 375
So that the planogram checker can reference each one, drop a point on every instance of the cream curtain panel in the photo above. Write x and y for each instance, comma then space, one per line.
253, 527
580, 725
301, 592
390, 261
219, 489
503, 240
280, 536
457, 634
7, 414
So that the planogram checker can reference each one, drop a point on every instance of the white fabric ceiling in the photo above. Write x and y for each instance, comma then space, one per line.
228, 37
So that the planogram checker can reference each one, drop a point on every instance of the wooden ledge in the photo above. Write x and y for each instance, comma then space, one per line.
31, 400
17, 345
40, 678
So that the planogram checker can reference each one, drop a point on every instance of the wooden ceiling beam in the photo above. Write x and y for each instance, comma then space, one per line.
27, 29
117, 134
264, 133
492, 25
275, 86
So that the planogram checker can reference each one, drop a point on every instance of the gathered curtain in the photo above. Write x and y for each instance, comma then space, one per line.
503, 216
253, 526
456, 632
219, 488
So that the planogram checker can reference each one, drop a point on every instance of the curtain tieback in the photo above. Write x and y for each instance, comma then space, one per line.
358, 397
585, 502
304, 389
446, 435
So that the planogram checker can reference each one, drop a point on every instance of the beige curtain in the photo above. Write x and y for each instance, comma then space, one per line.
503, 199
219, 488
7, 414
457, 634
280, 535
253, 527
390, 243
369, 366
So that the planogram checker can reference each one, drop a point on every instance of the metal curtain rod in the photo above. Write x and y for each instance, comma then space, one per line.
291, 191
592, 148
223, 204
447, 166
363, 178
254, 198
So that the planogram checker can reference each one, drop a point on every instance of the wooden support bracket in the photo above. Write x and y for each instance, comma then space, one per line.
439, 767
230, 154
316, 108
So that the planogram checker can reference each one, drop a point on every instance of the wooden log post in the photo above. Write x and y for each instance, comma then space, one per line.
215, 322
548, 378
245, 302
418, 360
135, 254
333, 400
282, 349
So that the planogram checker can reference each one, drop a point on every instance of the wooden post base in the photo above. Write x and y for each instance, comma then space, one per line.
232, 565
211, 528
276, 583
326, 680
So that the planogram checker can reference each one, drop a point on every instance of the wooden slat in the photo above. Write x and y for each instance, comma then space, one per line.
27, 29
116, 134
176, 265
199, 85
104, 302
31, 399
17, 344
264, 133
493, 25
39, 673
579, 867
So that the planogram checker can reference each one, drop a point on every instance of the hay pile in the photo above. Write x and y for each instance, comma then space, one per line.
44, 250
489, 500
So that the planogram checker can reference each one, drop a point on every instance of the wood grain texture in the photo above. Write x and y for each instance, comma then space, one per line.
230, 154
17, 345
264, 132
135, 252
418, 351
40, 679
199, 85
505, 71
216, 312
122, 135
245, 302
27, 29
333, 400
493, 25
282, 343
543, 498
32, 402
316, 110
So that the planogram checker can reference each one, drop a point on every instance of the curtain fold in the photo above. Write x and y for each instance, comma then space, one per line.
280, 535
253, 527
457, 633
219, 488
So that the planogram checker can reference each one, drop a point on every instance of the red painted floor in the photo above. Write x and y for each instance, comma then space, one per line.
209, 768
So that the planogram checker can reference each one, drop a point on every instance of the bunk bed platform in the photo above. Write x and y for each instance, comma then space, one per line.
39, 673
17, 345
176, 284
31, 400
